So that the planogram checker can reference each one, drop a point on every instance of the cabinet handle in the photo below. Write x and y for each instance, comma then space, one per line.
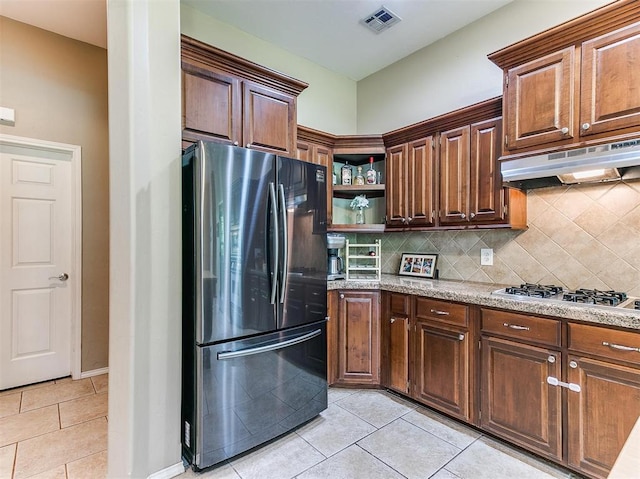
565, 130
441, 313
573, 364
516, 327
620, 347
586, 126
571, 386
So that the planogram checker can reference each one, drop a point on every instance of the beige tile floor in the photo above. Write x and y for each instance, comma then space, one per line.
54, 430
374, 434
58, 430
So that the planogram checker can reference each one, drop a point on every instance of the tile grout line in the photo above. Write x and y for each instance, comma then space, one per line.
378, 459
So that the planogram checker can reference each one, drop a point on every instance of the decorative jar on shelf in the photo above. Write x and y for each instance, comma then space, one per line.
360, 216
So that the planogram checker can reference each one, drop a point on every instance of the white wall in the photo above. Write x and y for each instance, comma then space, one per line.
328, 104
145, 242
455, 72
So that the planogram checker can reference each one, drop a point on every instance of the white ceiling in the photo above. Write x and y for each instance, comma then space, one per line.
84, 20
326, 32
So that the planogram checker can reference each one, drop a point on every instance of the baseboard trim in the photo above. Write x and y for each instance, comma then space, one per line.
93, 372
169, 472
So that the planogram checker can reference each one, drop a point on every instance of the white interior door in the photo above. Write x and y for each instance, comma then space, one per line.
37, 270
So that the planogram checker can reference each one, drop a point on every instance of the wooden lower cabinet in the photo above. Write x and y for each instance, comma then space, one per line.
441, 368
605, 365
358, 338
564, 390
442, 357
602, 414
395, 324
517, 402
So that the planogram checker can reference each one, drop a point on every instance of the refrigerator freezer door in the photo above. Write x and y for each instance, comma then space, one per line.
303, 218
253, 390
234, 239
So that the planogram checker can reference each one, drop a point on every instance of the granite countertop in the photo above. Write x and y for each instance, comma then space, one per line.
480, 294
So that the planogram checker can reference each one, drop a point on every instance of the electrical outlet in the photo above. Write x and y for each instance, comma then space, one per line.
486, 257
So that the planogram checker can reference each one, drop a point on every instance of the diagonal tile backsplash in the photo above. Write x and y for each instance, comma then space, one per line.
578, 236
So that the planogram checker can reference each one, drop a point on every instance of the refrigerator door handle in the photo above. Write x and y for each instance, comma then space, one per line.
285, 243
271, 347
275, 247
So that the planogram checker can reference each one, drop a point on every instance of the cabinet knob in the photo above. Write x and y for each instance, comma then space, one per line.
248, 145
392, 320
586, 126
235, 143
573, 364
463, 216
409, 218
342, 296
472, 215
565, 130
551, 359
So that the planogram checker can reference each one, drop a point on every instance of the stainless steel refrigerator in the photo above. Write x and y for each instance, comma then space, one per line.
254, 299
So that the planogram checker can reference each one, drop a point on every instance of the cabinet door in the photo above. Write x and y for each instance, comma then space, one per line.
454, 176
395, 342
486, 195
540, 100
268, 119
304, 151
211, 105
359, 337
396, 189
602, 414
517, 402
322, 156
332, 336
610, 93
421, 182
441, 368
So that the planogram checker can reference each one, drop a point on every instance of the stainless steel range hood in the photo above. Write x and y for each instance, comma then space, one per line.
613, 161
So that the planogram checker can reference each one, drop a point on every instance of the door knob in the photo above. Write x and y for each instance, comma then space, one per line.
61, 277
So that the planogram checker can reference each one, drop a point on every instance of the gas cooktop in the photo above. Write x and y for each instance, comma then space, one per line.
582, 296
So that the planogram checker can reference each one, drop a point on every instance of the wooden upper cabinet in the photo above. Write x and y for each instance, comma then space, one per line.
228, 99
421, 193
574, 85
486, 195
397, 186
454, 175
269, 119
211, 105
539, 99
610, 92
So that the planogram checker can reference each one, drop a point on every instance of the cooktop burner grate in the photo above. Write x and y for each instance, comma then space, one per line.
535, 290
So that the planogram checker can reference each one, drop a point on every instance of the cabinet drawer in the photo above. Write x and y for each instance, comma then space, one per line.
610, 343
527, 328
399, 304
442, 311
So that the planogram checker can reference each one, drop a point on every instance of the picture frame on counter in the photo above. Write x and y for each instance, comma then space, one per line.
418, 264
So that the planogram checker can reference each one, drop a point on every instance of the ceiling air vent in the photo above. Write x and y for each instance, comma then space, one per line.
380, 20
